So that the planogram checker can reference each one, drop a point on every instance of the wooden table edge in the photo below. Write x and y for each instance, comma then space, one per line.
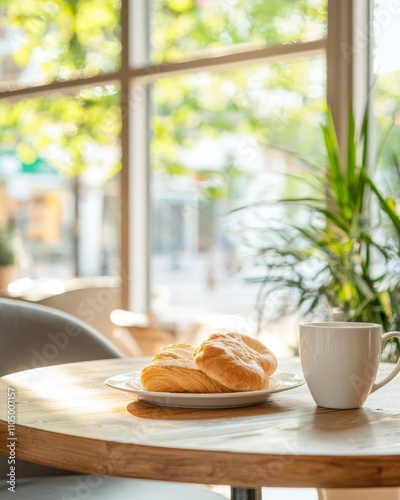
245, 470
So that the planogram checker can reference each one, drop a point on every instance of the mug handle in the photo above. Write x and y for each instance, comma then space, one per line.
395, 370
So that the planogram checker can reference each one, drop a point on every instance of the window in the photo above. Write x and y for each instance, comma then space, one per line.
201, 102
385, 90
221, 141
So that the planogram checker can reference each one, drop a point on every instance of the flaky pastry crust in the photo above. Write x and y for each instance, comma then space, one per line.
170, 378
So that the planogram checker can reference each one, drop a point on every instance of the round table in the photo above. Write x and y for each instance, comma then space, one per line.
66, 417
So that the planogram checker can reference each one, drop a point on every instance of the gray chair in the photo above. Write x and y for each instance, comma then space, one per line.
33, 336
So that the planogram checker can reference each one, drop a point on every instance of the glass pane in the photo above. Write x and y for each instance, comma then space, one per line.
57, 40
386, 94
387, 89
222, 141
181, 29
59, 188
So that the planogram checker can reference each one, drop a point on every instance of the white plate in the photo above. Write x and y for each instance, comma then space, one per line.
130, 382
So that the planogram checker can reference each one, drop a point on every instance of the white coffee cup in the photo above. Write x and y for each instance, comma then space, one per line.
340, 361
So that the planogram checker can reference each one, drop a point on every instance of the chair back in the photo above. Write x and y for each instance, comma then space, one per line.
32, 336
90, 301
93, 301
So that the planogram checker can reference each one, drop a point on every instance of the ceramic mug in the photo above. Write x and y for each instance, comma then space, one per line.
340, 361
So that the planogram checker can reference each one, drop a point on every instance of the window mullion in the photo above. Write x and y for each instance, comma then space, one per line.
125, 152
340, 65
348, 62
66, 87
135, 241
267, 55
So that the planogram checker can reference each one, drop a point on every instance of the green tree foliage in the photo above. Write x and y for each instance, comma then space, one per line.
243, 104
63, 40
265, 102
70, 38
64, 130
182, 28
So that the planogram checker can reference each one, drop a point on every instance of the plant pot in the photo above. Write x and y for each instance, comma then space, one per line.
7, 275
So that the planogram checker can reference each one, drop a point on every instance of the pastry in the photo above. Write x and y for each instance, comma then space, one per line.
173, 370
236, 361
223, 363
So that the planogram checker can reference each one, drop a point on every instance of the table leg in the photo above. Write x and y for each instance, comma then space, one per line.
245, 494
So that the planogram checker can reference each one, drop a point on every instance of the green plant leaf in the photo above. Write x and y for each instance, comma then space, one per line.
386, 207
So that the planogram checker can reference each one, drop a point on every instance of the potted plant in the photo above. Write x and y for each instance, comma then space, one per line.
7, 257
343, 253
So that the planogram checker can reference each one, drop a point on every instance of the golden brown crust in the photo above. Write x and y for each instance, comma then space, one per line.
267, 359
236, 361
170, 378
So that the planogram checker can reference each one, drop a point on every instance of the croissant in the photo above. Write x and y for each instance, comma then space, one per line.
223, 363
